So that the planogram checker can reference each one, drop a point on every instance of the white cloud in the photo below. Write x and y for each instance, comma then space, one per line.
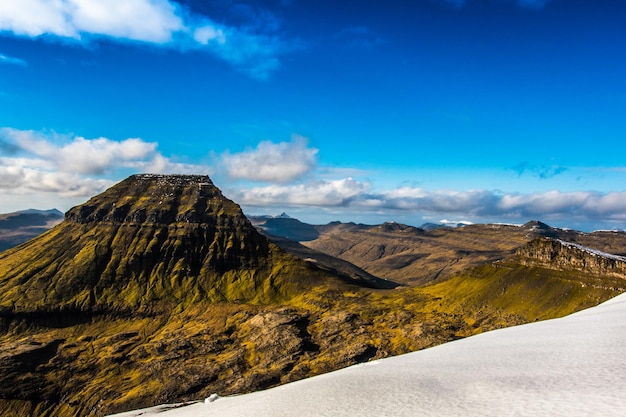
439, 201
337, 193
5, 59
11, 176
478, 205
273, 162
608, 204
65, 184
80, 155
138, 20
18, 179
253, 49
547, 202
35, 17
150, 21
48, 164
579, 205
205, 34
71, 166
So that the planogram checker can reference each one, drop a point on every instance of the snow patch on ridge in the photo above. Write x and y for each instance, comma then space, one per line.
592, 251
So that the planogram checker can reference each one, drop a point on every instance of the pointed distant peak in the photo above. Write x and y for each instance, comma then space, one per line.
537, 228
284, 215
536, 224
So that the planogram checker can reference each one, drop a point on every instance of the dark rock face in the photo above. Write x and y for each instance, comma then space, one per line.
18, 361
156, 199
216, 233
562, 255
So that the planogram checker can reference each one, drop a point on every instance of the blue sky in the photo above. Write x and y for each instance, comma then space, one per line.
370, 111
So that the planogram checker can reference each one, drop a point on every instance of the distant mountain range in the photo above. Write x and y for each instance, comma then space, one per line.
285, 226
414, 256
161, 290
20, 226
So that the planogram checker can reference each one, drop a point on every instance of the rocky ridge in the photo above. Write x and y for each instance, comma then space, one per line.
559, 254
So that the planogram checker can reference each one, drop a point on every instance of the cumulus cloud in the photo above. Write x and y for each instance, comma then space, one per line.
272, 162
352, 195
337, 193
71, 165
440, 201
33, 162
252, 48
30, 178
80, 155
139, 20
580, 205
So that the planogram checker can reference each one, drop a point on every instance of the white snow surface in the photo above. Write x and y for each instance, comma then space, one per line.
572, 366
593, 251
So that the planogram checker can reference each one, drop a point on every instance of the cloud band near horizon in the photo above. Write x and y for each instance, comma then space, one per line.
45, 164
348, 194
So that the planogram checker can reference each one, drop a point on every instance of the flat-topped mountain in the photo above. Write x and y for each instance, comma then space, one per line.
149, 238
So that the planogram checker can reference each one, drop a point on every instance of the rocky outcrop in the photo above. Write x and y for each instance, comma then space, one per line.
558, 254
